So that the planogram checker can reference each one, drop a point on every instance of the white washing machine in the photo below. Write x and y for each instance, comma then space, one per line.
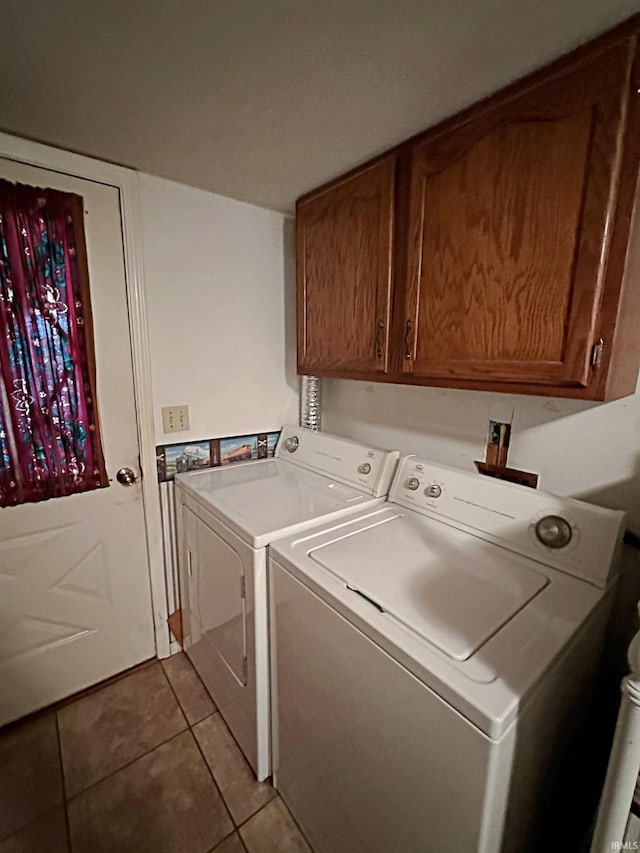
430, 659
226, 518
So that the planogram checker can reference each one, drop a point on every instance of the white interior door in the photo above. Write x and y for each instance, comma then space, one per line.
75, 601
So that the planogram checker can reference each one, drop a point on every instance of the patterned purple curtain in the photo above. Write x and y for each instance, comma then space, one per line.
49, 435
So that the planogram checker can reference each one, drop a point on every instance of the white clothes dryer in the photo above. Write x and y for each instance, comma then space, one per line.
429, 659
226, 518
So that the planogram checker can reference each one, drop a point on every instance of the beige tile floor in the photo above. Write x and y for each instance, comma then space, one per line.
144, 763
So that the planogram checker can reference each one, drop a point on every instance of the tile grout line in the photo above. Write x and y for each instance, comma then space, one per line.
303, 834
67, 800
242, 839
273, 799
188, 728
174, 691
225, 839
206, 763
198, 747
142, 754
64, 784
224, 722
128, 764
236, 826
276, 794
200, 681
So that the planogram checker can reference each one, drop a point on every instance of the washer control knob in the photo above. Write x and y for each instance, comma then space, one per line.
433, 490
291, 444
365, 468
554, 531
413, 483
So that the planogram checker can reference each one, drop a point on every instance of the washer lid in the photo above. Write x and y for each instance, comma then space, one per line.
449, 587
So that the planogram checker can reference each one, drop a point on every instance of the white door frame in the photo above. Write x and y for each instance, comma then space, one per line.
126, 181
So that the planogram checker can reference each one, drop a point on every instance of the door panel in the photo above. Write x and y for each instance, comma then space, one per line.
75, 602
344, 245
509, 237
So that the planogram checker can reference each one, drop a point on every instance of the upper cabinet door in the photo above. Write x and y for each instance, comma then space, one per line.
344, 237
509, 229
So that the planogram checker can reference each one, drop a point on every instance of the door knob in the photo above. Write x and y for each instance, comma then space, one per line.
126, 477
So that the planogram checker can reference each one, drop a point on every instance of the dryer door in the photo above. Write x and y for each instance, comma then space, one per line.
226, 633
218, 605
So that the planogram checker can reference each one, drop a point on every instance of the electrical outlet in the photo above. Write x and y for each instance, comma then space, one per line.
175, 418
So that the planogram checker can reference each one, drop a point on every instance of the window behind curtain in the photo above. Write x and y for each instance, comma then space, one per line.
49, 434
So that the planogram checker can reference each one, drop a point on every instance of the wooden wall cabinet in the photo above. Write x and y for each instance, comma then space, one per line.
494, 251
344, 242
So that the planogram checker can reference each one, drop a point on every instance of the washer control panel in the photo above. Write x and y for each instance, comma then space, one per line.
576, 537
433, 490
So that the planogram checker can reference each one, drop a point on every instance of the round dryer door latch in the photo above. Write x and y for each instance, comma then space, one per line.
292, 443
554, 531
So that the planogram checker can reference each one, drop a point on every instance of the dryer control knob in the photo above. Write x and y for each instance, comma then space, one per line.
291, 444
365, 468
554, 531
413, 483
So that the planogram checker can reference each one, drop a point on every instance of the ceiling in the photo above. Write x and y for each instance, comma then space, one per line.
262, 100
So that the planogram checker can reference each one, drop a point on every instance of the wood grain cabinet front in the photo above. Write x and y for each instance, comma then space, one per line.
344, 240
516, 266
510, 231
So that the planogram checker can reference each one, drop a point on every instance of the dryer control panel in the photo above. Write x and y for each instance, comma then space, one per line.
369, 469
564, 533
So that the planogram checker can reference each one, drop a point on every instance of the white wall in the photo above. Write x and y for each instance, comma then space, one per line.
585, 450
219, 311
580, 449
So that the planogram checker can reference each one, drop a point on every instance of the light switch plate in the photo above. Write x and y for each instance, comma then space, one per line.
175, 418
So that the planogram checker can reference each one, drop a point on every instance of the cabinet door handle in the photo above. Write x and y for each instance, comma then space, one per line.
379, 352
596, 353
408, 344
